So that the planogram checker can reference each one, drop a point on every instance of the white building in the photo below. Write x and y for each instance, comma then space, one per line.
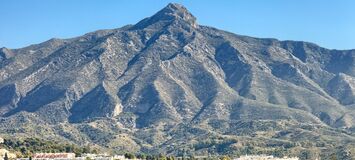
264, 157
100, 157
53, 156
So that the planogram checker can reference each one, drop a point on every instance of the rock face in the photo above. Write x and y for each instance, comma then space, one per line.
166, 82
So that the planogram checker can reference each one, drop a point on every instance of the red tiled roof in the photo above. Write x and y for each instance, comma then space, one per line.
53, 155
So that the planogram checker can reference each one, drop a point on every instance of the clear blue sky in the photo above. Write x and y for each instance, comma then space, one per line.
328, 23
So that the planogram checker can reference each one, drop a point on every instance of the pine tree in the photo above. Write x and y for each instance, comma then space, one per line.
6, 157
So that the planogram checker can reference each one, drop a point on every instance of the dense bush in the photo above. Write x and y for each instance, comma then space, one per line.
26, 147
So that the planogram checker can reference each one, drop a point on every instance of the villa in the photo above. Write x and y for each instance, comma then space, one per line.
57, 156
264, 157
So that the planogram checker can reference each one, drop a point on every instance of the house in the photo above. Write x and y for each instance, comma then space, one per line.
264, 157
56, 156
99, 156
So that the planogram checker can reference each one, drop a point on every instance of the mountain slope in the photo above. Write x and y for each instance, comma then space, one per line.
166, 83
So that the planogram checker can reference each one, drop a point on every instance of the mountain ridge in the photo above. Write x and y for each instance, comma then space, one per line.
167, 83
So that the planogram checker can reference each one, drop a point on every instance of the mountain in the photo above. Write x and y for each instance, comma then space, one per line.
168, 84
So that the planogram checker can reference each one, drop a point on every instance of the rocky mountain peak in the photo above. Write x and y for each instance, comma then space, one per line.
172, 12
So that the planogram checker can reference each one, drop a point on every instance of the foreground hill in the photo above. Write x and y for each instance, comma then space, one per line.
167, 84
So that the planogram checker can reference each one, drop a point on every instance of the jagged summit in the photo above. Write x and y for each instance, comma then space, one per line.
172, 12
176, 10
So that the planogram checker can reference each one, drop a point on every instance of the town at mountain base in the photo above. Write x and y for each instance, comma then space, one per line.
169, 85
35, 149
